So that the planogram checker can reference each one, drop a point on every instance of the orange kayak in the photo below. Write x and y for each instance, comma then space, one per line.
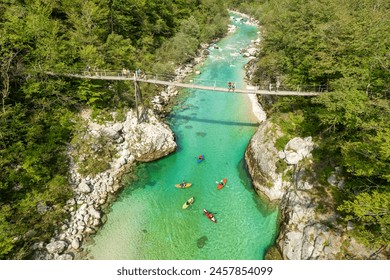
221, 184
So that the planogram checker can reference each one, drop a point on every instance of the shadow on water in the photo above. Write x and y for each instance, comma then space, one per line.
244, 176
177, 117
139, 178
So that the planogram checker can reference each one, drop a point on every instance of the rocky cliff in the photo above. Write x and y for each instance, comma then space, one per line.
309, 227
128, 142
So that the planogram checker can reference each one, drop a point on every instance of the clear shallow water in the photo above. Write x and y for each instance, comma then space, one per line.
147, 222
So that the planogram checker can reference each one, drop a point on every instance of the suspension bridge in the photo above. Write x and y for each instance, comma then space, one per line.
195, 83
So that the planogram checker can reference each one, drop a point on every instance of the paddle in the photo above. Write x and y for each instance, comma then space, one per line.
219, 183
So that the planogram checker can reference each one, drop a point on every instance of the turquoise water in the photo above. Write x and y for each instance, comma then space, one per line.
147, 220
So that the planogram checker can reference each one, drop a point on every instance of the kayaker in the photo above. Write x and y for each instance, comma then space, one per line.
183, 184
222, 183
200, 157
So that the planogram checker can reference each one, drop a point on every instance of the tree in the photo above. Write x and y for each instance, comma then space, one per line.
370, 212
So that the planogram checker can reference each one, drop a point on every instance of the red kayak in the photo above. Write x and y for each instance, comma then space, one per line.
221, 184
209, 215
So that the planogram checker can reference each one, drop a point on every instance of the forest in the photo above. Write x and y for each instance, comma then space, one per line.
341, 46
39, 112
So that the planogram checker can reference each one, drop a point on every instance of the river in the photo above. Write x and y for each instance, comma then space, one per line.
147, 220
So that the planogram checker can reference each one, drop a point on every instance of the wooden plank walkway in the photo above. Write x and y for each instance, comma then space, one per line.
191, 86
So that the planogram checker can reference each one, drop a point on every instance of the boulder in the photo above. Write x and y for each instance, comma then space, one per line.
151, 140
118, 127
111, 132
94, 213
292, 157
56, 247
84, 188
64, 257
75, 244
251, 51
298, 148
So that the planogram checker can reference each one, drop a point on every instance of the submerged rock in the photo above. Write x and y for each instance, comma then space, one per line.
201, 134
201, 241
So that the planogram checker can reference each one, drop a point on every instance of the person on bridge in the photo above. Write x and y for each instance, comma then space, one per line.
277, 85
138, 73
233, 86
229, 86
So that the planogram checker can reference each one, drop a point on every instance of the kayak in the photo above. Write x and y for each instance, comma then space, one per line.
188, 203
209, 215
200, 158
187, 185
221, 185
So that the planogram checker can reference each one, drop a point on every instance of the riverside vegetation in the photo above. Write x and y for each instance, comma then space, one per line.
341, 45
39, 114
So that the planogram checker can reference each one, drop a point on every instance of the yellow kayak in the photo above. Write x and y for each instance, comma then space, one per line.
181, 186
188, 203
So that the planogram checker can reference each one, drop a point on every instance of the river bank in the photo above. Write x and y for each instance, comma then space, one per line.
309, 224
287, 178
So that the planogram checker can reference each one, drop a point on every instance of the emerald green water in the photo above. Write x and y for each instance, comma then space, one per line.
147, 220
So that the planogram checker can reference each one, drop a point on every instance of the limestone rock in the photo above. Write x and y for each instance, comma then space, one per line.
84, 188
118, 127
297, 149
252, 51
75, 244
56, 247
292, 157
151, 140
64, 257
94, 213
261, 157
112, 132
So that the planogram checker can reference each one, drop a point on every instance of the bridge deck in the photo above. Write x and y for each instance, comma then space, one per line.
193, 85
